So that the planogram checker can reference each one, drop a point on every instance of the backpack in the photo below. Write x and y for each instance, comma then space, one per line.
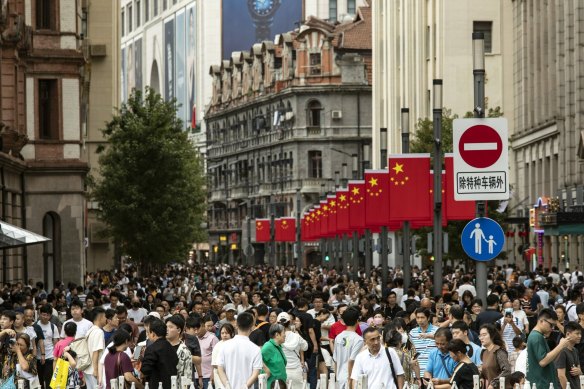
81, 348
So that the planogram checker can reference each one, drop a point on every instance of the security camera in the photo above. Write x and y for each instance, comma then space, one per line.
479, 110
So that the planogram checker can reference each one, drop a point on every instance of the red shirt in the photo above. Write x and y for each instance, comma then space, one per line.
339, 327
60, 346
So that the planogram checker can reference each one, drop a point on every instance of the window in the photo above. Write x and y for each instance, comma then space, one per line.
332, 10
487, 29
315, 164
314, 110
130, 18
314, 64
138, 13
155, 10
48, 109
46, 14
123, 27
351, 9
164, 4
146, 10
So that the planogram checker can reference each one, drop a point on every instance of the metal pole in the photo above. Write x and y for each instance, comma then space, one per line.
478, 48
355, 256
345, 249
367, 252
406, 264
437, 244
272, 239
383, 259
249, 258
299, 258
336, 245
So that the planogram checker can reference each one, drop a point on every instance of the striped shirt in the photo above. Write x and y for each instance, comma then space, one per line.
423, 345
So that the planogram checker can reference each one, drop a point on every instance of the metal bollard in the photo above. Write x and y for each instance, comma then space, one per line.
581, 382
114, 383
262, 381
502, 383
173, 380
21, 384
476, 383
362, 382
323, 382
121, 382
332, 384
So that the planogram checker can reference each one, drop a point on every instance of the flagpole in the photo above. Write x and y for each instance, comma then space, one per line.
478, 46
355, 256
437, 113
406, 264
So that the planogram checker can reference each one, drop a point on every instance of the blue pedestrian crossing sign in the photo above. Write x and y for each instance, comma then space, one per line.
482, 239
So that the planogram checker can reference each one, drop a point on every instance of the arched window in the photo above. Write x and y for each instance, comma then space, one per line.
314, 110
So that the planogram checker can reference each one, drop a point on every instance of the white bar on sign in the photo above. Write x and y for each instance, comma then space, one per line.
480, 146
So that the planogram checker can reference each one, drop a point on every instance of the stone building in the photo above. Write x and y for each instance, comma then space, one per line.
44, 107
288, 120
548, 142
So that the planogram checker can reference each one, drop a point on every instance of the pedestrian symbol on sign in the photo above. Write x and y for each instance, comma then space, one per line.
479, 232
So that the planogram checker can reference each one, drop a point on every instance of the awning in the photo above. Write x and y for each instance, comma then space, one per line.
12, 236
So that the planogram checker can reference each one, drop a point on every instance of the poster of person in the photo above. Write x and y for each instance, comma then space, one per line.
191, 44
180, 52
138, 64
169, 92
246, 22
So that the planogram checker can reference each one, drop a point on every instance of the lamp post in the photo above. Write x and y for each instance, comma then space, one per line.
478, 59
406, 265
437, 121
383, 147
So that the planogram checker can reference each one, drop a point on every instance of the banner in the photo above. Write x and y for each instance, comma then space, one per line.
262, 230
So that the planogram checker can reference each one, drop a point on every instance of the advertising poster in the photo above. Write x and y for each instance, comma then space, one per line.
180, 74
138, 64
252, 21
191, 44
169, 92
124, 84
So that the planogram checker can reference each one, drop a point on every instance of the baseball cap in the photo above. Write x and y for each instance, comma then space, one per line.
229, 307
155, 314
283, 317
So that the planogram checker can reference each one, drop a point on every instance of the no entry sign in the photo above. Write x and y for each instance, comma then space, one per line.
481, 159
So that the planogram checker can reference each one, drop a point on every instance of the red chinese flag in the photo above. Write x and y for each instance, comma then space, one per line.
332, 218
357, 205
285, 229
316, 223
324, 216
430, 222
343, 225
376, 198
408, 187
455, 210
262, 230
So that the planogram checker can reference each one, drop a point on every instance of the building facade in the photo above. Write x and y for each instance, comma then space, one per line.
417, 41
288, 120
547, 144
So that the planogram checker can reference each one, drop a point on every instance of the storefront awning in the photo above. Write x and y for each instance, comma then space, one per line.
12, 236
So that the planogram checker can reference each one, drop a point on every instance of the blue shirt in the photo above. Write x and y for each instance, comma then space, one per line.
440, 365
423, 345
476, 354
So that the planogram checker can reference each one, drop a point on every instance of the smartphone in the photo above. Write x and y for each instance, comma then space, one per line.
137, 352
416, 355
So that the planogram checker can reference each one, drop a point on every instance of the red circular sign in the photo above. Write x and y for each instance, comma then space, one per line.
480, 146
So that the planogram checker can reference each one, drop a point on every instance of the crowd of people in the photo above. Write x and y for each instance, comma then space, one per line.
221, 327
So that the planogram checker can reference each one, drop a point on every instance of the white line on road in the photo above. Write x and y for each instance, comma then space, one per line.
480, 146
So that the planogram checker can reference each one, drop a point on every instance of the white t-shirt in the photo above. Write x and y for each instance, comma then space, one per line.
138, 315
377, 369
239, 357
214, 357
347, 346
464, 287
82, 327
95, 342
51, 334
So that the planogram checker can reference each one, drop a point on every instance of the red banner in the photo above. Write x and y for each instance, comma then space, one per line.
357, 205
343, 211
455, 210
262, 230
285, 229
409, 187
376, 198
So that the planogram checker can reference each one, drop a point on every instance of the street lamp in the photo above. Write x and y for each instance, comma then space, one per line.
383, 147
355, 159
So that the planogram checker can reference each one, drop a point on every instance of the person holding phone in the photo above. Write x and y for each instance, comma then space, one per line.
511, 326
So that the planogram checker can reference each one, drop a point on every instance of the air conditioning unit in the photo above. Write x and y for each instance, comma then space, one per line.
97, 50
337, 114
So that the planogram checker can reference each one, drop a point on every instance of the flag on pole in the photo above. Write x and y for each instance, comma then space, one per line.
376, 198
262, 230
357, 205
409, 187
455, 210
332, 216
343, 204
285, 229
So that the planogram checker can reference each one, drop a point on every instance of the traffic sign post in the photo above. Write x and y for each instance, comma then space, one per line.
482, 239
481, 159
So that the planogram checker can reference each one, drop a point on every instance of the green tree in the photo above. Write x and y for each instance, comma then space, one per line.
423, 142
151, 185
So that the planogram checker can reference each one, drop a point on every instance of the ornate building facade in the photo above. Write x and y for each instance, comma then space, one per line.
288, 120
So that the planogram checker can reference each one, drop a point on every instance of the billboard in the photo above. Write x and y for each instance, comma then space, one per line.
252, 21
191, 71
179, 70
169, 92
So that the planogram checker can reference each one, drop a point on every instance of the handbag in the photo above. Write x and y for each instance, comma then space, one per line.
61, 374
81, 348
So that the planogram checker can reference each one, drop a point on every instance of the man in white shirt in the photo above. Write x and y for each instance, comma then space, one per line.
375, 364
95, 345
45, 357
466, 285
347, 345
83, 325
137, 313
240, 361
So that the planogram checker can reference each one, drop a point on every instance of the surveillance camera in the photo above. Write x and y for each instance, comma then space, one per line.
479, 110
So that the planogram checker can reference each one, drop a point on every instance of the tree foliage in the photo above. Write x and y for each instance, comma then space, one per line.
423, 142
151, 185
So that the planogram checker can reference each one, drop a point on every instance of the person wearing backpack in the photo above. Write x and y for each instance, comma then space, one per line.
95, 346
45, 357
381, 365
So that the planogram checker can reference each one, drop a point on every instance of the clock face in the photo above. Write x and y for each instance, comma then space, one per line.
263, 7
